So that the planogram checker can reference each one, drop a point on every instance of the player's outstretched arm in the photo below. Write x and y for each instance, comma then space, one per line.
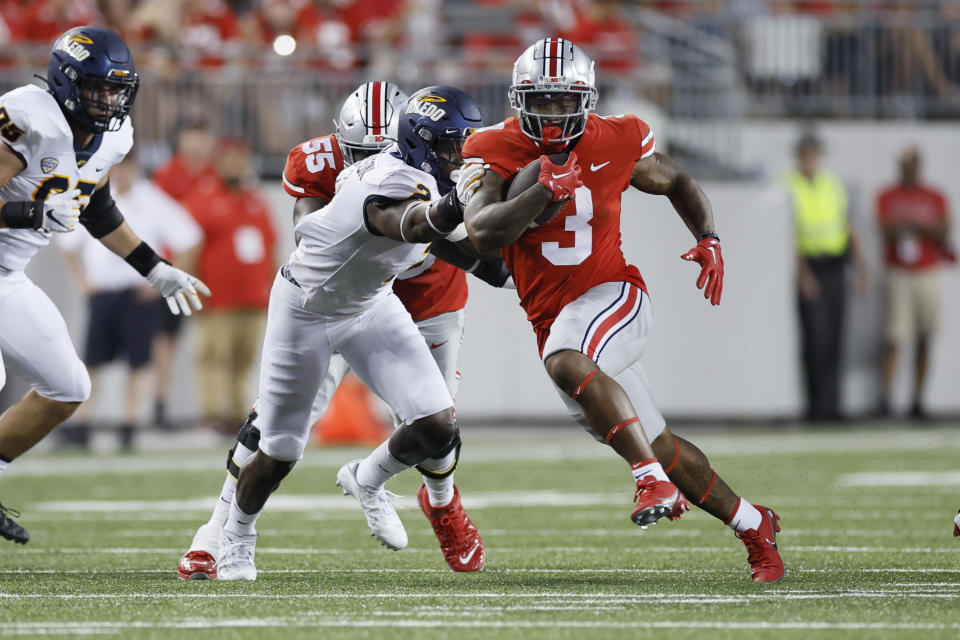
414, 220
494, 272
659, 175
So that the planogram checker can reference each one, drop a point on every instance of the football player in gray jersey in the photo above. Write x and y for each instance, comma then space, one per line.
58, 147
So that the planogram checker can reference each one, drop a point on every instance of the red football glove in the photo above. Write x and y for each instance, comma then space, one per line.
563, 179
707, 254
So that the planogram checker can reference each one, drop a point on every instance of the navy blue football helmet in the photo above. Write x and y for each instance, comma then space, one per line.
432, 128
92, 77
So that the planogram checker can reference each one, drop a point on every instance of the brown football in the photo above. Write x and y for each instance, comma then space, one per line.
526, 178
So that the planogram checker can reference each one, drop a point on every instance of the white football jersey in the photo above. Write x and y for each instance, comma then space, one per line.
34, 127
340, 264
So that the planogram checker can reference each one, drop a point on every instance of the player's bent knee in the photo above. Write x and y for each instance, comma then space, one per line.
437, 433
571, 371
282, 447
76, 389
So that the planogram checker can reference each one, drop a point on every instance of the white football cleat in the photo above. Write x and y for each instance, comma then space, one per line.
235, 561
385, 525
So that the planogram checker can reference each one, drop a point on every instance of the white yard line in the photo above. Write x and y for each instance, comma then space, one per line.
16, 628
901, 479
524, 550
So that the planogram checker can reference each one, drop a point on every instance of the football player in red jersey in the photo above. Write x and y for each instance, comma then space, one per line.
434, 292
588, 307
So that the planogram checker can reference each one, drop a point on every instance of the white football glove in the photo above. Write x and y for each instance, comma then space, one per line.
468, 181
61, 211
177, 287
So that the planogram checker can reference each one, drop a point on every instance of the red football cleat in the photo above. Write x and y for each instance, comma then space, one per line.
459, 540
766, 565
656, 499
197, 565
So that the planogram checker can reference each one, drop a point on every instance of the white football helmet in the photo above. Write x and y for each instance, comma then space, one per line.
553, 68
368, 120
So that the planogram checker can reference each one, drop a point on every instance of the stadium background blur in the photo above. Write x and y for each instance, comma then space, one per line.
727, 85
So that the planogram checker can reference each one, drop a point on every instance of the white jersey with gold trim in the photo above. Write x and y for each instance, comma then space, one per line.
342, 266
34, 127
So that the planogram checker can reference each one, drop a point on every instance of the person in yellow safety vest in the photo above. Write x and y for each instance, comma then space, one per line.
826, 243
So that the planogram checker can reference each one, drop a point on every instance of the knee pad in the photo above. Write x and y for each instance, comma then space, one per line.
76, 389
453, 447
249, 437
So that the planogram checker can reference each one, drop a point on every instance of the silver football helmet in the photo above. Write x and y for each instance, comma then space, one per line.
368, 120
553, 90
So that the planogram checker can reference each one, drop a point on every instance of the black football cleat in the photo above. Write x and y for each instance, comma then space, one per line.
9, 529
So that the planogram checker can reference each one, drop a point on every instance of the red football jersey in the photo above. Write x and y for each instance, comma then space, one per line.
554, 264
312, 169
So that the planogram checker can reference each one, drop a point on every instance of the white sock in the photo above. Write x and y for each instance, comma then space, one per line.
646, 468
745, 517
379, 466
220, 510
439, 490
239, 522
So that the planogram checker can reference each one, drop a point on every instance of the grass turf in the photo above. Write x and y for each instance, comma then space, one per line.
869, 556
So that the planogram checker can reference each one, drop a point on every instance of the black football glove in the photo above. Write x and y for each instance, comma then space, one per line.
493, 272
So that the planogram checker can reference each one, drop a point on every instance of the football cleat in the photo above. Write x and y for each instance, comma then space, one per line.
197, 565
459, 540
9, 529
385, 525
956, 525
766, 565
656, 499
680, 507
236, 556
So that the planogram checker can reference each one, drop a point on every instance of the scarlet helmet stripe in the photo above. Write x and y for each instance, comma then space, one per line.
375, 124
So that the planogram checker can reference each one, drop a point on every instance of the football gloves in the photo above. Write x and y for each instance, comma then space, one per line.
61, 211
468, 181
177, 287
708, 255
562, 180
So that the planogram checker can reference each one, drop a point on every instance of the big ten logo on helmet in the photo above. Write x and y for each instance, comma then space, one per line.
74, 46
425, 107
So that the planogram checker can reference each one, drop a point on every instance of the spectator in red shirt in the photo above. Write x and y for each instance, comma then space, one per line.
44, 20
237, 258
607, 36
914, 223
193, 161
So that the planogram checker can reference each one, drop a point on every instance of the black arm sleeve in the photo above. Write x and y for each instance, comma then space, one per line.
101, 215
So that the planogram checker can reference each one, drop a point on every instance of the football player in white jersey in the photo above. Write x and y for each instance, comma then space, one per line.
367, 124
58, 146
335, 296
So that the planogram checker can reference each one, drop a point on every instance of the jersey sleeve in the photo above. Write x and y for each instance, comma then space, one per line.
312, 168
26, 125
637, 137
482, 147
402, 182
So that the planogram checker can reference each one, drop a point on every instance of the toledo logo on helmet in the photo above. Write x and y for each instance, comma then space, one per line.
74, 46
425, 107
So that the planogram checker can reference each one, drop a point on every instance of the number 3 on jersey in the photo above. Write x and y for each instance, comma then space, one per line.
319, 154
579, 224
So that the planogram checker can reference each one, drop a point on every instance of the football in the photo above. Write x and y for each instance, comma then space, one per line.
526, 178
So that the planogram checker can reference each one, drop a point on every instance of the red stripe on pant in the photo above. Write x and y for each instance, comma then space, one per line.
611, 321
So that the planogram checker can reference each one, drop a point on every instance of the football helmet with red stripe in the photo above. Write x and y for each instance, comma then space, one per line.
368, 119
553, 89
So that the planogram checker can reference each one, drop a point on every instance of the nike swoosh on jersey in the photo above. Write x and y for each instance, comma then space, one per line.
557, 177
597, 167
437, 345
465, 559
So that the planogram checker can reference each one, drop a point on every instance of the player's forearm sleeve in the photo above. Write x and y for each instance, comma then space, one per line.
101, 215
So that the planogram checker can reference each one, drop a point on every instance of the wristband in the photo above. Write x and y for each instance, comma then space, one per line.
450, 210
143, 259
708, 234
26, 214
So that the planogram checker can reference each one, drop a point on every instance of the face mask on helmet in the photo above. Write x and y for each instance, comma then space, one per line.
104, 101
367, 123
444, 155
553, 116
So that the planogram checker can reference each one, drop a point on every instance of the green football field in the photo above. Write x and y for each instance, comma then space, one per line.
866, 518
